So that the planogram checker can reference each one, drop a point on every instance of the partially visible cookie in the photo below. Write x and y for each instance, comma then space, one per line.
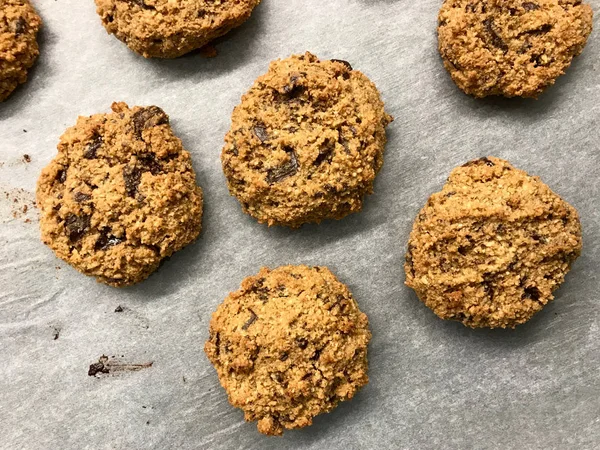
19, 25
492, 246
306, 142
168, 29
120, 196
513, 48
288, 345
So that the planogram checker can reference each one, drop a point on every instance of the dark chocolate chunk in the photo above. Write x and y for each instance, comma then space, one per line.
532, 293
316, 355
530, 6
80, 197
149, 117
495, 38
148, 161
77, 226
287, 169
106, 240
19, 26
345, 63
261, 132
141, 3
293, 89
302, 342
477, 162
92, 148
132, 177
61, 176
250, 321
325, 153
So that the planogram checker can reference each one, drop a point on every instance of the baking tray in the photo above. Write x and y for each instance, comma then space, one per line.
434, 384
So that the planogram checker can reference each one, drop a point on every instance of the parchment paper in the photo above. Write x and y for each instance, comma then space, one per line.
434, 384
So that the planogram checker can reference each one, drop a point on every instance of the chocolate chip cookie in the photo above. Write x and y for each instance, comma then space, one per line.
306, 142
288, 345
120, 196
492, 246
19, 26
513, 48
168, 29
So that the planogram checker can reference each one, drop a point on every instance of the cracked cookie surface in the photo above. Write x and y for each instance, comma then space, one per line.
306, 142
120, 196
19, 26
492, 246
168, 29
513, 48
290, 344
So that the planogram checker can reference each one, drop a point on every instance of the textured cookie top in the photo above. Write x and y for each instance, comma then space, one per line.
492, 246
167, 28
19, 25
290, 344
511, 47
120, 196
306, 142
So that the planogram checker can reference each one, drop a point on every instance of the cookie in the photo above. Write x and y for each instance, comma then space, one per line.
513, 48
19, 26
290, 344
306, 142
120, 196
168, 29
492, 246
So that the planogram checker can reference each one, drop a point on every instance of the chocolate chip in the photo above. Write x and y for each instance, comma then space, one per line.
132, 177
77, 226
495, 39
287, 169
530, 6
532, 293
293, 89
93, 146
345, 63
149, 117
250, 321
139, 3
316, 355
261, 133
106, 240
302, 343
61, 176
148, 161
325, 153
480, 161
19, 26
26, 158
80, 197
284, 356
343, 141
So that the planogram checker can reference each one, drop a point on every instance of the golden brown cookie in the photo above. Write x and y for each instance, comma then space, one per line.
19, 25
288, 345
492, 246
167, 28
306, 142
120, 196
513, 48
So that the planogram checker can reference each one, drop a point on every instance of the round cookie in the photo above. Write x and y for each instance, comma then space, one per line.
19, 25
120, 196
492, 246
288, 345
168, 29
306, 142
513, 48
